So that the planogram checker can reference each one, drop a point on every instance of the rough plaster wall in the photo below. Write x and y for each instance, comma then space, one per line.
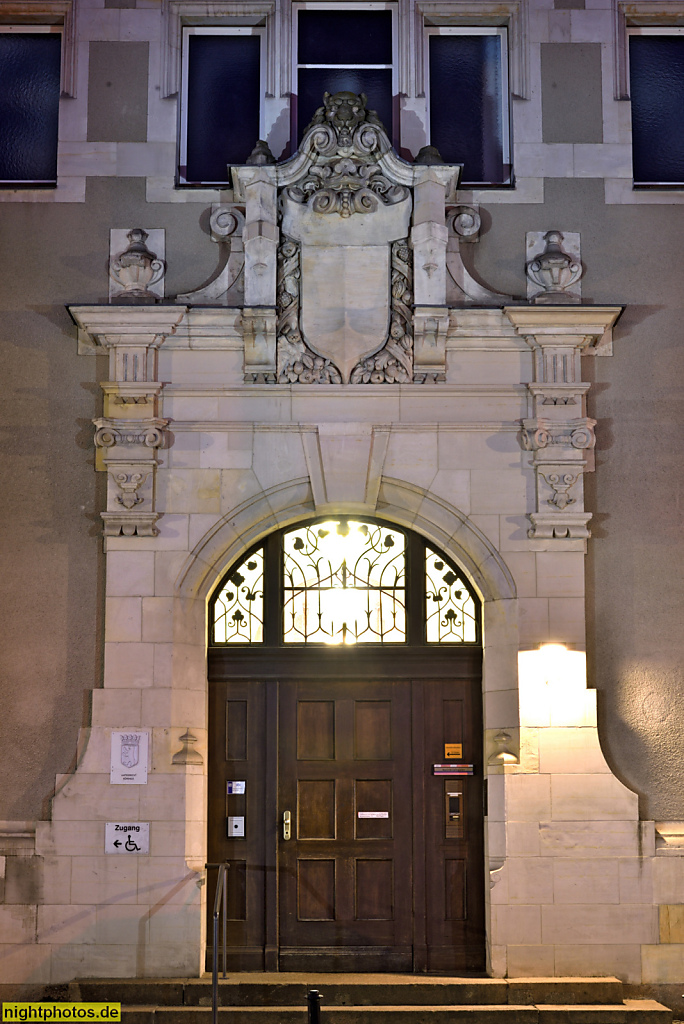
51, 549
635, 592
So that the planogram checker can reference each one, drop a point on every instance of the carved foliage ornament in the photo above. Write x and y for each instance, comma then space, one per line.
298, 364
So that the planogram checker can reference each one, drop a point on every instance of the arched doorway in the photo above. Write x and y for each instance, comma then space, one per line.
345, 693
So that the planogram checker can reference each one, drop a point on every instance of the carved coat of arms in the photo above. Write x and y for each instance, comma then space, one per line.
344, 268
130, 750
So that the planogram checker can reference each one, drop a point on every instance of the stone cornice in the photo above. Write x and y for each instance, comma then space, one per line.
590, 322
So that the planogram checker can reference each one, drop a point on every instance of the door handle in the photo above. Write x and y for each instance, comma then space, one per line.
287, 825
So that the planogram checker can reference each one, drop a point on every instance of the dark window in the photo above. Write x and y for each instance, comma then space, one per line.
29, 107
343, 51
468, 104
221, 103
657, 90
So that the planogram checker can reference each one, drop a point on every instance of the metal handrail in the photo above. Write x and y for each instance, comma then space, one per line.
220, 898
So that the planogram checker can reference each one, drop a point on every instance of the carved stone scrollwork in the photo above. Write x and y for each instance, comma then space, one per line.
149, 433
346, 187
538, 434
129, 484
226, 226
463, 224
560, 481
296, 362
393, 364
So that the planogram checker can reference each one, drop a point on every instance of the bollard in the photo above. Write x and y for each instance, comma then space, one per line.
313, 998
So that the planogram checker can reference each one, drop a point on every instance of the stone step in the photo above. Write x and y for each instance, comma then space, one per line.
630, 1012
268, 989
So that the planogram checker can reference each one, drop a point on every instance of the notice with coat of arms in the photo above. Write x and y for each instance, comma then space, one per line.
129, 758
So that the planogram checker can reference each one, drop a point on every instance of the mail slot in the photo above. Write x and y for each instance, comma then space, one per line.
454, 825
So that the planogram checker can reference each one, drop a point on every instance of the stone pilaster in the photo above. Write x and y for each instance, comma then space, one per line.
558, 431
131, 431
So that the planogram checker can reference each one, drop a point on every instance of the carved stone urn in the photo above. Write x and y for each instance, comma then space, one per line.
135, 270
553, 271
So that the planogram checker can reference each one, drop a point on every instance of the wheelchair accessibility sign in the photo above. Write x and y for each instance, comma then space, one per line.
127, 837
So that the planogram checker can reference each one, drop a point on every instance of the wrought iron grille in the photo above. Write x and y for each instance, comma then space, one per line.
344, 583
450, 612
239, 605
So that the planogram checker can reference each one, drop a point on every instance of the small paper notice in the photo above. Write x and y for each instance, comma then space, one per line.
235, 787
453, 750
373, 814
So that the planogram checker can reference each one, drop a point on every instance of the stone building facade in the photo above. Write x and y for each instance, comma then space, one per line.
493, 368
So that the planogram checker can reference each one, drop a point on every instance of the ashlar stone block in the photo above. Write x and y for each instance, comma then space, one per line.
528, 798
104, 879
169, 879
66, 924
128, 664
592, 797
593, 960
516, 925
530, 880
17, 924
530, 961
130, 574
662, 964
589, 838
592, 924
671, 917
583, 881
571, 750
91, 798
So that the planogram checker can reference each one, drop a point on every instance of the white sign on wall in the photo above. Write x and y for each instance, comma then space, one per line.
129, 757
127, 837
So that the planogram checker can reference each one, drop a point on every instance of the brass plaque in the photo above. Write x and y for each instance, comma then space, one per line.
452, 750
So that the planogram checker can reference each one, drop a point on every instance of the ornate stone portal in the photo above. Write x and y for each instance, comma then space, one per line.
341, 241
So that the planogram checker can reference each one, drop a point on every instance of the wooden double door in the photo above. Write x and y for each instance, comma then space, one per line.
346, 851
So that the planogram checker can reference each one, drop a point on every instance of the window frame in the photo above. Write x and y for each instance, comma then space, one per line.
214, 30
17, 28
501, 31
296, 129
653, 31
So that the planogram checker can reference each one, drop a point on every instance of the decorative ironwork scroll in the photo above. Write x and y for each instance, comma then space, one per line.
344, 583
393, 364
450, 613
239, 607
297, 364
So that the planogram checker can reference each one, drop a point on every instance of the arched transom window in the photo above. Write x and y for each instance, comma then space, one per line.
344, 580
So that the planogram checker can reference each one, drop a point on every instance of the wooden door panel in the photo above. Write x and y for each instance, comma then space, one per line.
237, 724
345, 877
316, 809
372, 730
374, 895
454, 829
400, 887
